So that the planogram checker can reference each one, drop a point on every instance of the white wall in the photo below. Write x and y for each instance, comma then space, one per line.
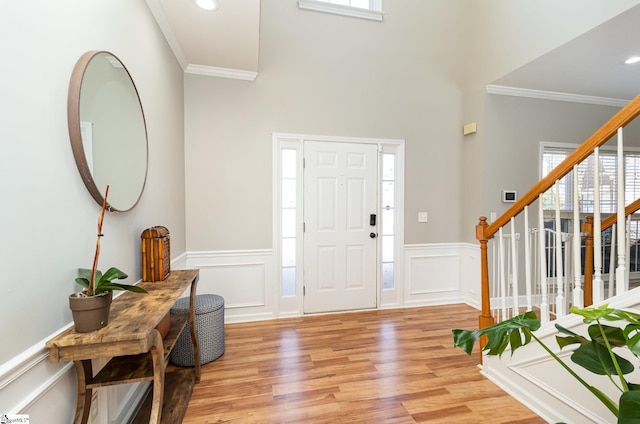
48, 217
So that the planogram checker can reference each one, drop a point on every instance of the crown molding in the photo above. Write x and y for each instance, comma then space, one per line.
163, 23
552, 95
174, 44
212, 71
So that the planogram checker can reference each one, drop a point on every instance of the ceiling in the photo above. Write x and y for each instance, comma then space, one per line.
222, 43
589, 69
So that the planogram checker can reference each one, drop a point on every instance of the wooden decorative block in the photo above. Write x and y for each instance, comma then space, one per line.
156, 254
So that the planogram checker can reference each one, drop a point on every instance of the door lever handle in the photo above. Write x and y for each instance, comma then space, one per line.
372, 219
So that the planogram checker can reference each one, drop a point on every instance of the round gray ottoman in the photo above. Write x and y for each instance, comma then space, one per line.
209, 327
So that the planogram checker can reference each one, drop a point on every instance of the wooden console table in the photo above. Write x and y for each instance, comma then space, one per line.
137, 351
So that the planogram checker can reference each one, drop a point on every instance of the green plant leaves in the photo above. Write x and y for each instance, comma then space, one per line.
629, 408
614, 335
104, 282
107, 286
500, 336
594, 353
83, 282
595, 358
593, 314
112, 274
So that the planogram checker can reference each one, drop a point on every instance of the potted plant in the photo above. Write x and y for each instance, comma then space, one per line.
90, 307
595, 353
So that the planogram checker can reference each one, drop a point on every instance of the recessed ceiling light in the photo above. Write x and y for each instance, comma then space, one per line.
207, 4
632, 59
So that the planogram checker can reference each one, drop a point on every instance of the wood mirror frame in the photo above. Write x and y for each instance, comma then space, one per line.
104, 100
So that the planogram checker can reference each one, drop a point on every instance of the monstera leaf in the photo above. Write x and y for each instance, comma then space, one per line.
630, 407
594, 355
514, 332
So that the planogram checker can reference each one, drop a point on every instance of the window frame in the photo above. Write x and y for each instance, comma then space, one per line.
374, 12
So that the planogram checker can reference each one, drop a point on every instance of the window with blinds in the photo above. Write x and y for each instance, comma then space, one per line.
552, 156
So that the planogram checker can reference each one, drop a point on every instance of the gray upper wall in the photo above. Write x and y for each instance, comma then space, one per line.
329, 75
515, 127
417, 76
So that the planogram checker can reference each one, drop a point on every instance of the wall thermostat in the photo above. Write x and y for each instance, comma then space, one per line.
509, 196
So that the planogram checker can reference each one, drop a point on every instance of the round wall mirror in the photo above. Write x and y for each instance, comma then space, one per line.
107, 130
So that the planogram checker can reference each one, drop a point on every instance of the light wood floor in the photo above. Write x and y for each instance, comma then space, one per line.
395, 366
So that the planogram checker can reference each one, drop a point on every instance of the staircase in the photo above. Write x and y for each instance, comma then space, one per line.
539, 257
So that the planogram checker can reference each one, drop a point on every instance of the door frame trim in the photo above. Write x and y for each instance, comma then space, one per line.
294, 305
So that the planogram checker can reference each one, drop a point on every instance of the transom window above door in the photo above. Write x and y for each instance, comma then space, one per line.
365, 9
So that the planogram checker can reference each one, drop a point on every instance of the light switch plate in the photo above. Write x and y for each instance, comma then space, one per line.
423, 217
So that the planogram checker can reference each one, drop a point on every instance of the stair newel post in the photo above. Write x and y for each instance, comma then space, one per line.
485, 319
587, 229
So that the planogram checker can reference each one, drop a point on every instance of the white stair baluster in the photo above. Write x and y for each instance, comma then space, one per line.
622, 262
598, 294
627, 252
527, 259
560, 309
578, 296
494, 283
514, 270
612, 261
502, 271
568, 269
542, 253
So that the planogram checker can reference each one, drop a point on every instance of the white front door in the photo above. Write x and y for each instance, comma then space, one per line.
340, 242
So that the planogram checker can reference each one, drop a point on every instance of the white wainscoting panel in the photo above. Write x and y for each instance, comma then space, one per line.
245, 279
434, 273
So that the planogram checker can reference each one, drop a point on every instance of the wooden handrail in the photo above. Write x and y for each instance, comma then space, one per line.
628, 210
600, 137
485, 231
